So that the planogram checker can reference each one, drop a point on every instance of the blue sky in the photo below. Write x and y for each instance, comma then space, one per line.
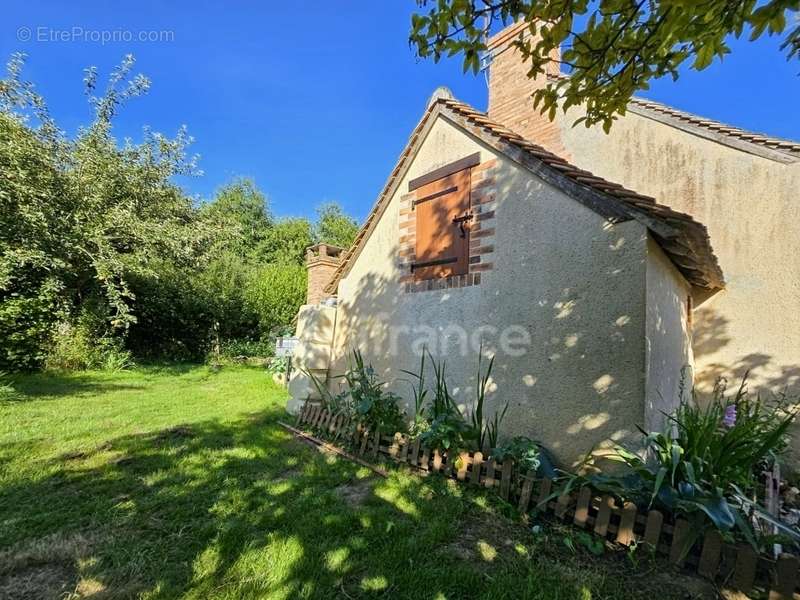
315, 103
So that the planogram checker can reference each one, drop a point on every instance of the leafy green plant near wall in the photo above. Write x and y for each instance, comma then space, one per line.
441, 424
705, 465
364, 397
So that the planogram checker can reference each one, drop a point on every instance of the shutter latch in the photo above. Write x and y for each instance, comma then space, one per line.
460, 222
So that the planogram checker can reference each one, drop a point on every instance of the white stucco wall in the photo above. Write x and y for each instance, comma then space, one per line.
749, 204
573, 282
667, 340
315, 328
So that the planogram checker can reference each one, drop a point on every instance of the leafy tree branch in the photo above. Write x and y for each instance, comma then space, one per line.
612, 48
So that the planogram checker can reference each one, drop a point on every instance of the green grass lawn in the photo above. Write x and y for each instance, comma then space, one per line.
177, 482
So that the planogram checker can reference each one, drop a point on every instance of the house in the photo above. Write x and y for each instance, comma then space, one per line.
582, 261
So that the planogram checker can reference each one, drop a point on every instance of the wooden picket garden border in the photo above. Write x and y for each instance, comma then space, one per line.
736, 567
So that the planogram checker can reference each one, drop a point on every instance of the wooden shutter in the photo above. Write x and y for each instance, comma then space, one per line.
442, 244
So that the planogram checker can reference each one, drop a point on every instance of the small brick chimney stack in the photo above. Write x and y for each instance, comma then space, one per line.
510, 91
321, 262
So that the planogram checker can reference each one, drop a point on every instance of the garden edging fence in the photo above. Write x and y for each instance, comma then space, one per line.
736, 567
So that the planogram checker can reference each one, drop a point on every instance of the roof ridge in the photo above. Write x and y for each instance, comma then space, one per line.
779, 144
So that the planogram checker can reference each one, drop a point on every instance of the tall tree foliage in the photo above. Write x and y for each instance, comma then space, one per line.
80, 216
99, 249
239, 216
612, 48
334, 226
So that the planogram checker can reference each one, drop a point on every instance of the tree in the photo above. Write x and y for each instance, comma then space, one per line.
334, 226
276, 293
240, 216
286, 242
80, 217
612, 48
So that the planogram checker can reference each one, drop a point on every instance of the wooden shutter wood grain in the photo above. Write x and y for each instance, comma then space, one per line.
439, 240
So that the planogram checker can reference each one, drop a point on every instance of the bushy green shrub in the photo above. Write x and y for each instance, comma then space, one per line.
274, 294
524, 451
87, 217
705, 464
7, 389
231, 349
26, 326
363, 397
441, 424
76, 347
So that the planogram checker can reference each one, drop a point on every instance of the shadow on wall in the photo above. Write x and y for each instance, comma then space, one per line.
710, 334
573, 300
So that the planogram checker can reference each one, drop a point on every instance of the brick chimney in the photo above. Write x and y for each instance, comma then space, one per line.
510, 91
321, 262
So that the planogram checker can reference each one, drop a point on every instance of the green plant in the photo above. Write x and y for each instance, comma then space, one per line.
593, 544
334, 226
486, 431
524, 451
363, 397
375, 407
247, 348
7, 389
83, 345
448, 431
703, 466
612, 49
341, 403
278, 365
420, 392
442, 424
109, 354
445, 426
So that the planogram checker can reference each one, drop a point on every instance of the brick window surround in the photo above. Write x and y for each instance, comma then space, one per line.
481, 203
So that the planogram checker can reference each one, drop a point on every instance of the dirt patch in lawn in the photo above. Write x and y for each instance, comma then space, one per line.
482, 542
44, 568
356, 492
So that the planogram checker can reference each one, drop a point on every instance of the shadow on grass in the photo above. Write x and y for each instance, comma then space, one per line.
210, 509
59, 384
242, 510
56, 384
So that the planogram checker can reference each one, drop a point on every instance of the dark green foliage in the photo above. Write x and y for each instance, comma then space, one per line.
174, 318
487, 431
242, 348
613, 49
524, 451
373, 406
706, 462
274, 294
363, 397
7, 389
239, 216
79, 217
90, 226
334, 226
445, 426
441, 424
86, 343
286, 242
